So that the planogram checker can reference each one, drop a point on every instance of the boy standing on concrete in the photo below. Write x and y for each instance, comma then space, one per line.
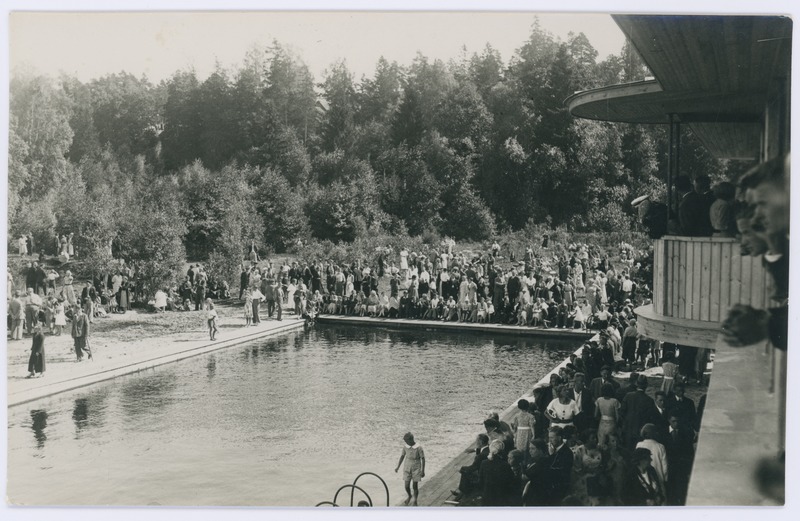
414, 469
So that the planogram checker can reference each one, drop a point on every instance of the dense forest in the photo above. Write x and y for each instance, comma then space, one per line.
199, 168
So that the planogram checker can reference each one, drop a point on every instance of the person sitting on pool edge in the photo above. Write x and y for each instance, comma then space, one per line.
414, 468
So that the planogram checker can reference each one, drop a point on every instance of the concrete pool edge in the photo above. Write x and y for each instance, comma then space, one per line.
457, 327
103, 374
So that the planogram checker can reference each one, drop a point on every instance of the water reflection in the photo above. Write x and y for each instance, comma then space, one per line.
80, 414
142, 397
39, 424
89, 411
273, 346
211, 367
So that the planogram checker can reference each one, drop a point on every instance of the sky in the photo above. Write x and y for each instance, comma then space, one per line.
156, 44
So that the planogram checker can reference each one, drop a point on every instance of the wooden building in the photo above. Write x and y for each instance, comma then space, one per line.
728, 79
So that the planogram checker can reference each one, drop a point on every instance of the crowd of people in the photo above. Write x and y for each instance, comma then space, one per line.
51, 302
587, 440
579, 290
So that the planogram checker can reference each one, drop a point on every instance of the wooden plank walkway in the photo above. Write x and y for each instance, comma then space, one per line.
428, 325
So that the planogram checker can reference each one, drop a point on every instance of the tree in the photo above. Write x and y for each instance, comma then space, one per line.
238, 224
40, 114
125, 113
379, 98
467, 217
151, 236
290, 89
339, 120
85, 141
633, 67
95, 230
182, 127
34, 217
343, 201
17, 166
462, 116
584, 60
486, 70
427, 87
530, 66
216, 120
408, 190
281, 210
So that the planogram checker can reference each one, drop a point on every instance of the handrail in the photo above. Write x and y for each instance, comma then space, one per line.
694, 238
335, 497
385, 486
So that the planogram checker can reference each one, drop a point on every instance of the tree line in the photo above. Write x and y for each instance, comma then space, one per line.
266, 153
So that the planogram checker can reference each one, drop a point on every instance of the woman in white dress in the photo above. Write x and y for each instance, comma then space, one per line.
67, 290
404, 263
60, 317
601, 286
22, 245
562, 410
349, 286
116, 282
290, 291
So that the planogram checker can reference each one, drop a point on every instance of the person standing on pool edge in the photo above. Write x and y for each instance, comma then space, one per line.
414, 468
80, 332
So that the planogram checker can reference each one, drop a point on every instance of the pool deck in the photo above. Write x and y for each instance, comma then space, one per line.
110, 361
429, 325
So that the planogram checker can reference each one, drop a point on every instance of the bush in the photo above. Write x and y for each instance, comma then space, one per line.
152, 237
281, 210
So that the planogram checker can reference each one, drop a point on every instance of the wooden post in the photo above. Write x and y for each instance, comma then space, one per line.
673, 162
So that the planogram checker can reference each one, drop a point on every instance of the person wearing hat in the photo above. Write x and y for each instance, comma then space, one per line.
414, 468
642, 485
652, 216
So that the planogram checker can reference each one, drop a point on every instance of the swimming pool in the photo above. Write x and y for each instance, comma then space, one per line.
277, 422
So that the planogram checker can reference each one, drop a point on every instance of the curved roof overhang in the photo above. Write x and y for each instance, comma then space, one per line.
714, 73
647, 102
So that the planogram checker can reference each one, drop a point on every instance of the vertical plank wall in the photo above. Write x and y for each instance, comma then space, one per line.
700, 278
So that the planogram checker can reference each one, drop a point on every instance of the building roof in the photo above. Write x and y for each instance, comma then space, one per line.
715, 73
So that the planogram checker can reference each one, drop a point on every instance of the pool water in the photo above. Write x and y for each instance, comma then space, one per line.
277, 422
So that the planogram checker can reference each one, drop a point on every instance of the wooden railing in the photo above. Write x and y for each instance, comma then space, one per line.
696, 280
700, 278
